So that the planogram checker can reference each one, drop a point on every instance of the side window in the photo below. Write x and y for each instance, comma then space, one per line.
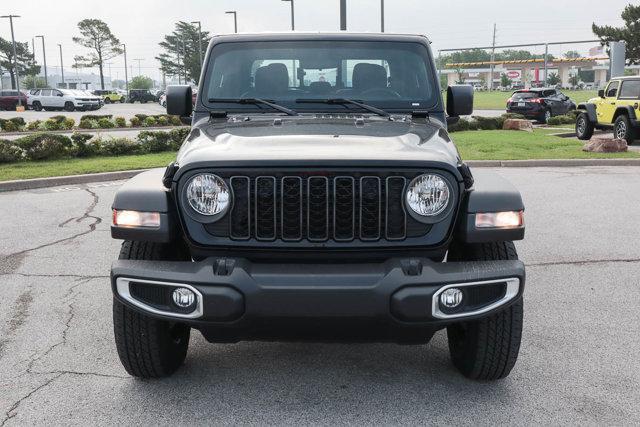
630, 89
612, 89
55, 93
45, 92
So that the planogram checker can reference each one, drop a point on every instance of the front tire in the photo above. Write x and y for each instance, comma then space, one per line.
544, 118
68, 106
37, 105
486, 349
148, 347
107, 101
584, 127
622, 129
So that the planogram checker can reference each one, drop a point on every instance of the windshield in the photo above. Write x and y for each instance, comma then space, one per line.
389, 75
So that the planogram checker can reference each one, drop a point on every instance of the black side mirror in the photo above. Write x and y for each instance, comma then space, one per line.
179, 101
459, 100
601, 93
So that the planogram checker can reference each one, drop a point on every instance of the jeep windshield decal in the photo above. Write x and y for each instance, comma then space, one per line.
375, 76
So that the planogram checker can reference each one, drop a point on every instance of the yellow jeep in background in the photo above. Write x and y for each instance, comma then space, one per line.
617, 107
109, 96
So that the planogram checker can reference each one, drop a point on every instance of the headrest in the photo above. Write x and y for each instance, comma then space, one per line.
272, 79
320, 87
369, 76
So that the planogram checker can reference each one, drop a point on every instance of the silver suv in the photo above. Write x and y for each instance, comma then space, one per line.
62, 99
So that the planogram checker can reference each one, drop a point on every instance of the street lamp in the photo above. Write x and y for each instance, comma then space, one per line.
293, 23
382, 16
15, 56
61, 64
126, 76
44, 59
199, 40
235, 19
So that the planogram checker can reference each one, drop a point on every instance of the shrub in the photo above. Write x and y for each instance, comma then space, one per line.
154, 142
34, 125
8, 126
513, 116
58, 119
135, 122
561, 120
175, 121
177, 137
121, 122
9, 152
488, 123
51, 124
96, 117
118, 147
82, 147
88, 124
461, 125
163, 121
105, 123
573, 114
69, 123
43, 146
149, 122
142, 117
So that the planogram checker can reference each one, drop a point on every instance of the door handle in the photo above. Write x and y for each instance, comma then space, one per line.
613, 103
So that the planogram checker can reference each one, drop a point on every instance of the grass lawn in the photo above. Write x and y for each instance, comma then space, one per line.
520, 145
485, 100
24, 170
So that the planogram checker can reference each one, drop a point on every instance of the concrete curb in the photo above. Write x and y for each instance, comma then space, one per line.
28, 184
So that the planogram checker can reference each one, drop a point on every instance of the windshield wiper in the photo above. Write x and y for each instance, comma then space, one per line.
344, 101
255, 101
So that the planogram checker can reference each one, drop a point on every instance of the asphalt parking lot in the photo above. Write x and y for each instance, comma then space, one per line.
578, 364
125, 110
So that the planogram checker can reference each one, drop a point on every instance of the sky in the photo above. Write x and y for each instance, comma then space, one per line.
141, 24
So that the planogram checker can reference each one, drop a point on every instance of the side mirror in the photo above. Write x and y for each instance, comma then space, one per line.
459, 100
179, 101
601, 93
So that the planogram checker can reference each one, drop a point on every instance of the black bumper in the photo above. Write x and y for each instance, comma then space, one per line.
392, 300
530, 113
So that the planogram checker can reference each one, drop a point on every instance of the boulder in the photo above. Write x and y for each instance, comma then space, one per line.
605, 145
517, 124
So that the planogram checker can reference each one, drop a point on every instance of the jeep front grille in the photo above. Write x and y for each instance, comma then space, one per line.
318, 208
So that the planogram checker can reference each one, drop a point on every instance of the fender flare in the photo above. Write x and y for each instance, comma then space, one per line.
590, 110
628, 109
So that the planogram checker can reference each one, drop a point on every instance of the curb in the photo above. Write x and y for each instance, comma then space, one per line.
29, 184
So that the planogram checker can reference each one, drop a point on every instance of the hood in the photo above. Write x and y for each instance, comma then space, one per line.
318, 140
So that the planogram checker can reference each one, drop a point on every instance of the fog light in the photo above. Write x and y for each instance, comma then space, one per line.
451, 297
136, 219
183, 297
509, 219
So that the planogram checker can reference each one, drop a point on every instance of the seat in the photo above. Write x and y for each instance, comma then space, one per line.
365, 77
320, 88
272, 79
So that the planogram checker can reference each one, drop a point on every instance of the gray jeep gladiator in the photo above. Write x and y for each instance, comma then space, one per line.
318, 196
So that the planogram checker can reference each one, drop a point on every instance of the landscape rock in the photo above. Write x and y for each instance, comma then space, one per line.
517, 124
605, 145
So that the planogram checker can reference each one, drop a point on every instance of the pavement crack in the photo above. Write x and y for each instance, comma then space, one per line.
13, 409
584, 262
88, 214
82, 374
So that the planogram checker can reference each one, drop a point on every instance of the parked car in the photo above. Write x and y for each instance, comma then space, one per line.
9, 99
63, 99
324, 213
141, 95
540, 103
109, 96
617, 107
163, 100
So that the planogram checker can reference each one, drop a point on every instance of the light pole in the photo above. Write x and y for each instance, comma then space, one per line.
199, 40
382, 16
343, 15
235, 19
15, 56
126, 76
44, 59
293, 22
61, 64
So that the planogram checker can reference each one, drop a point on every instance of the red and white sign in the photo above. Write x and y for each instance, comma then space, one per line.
514, 74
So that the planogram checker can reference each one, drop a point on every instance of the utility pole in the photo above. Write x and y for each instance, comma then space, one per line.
44, 59
126, 76
110, 78
343, 15
235, 19
382, 16
184, 61
61, 65
546, 56
199, 41
293, 22
139, 62
493, 57
15, 56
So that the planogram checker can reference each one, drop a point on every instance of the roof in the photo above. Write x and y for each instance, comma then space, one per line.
305, 35
625, 78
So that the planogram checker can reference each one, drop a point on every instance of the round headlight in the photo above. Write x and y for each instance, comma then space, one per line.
428, 195
207, 194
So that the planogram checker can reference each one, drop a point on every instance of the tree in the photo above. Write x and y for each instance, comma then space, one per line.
630, 33
118, 84
103, 45
505, 81
26, 63
574, 80
460, 73
32, 82
181, 55
553, 79
572, 54
141, 82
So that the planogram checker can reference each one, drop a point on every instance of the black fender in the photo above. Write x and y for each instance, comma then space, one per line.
490, 193
591, 111
626, 110
145, 192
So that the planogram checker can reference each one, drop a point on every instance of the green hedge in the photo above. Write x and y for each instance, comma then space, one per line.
48, 146
482, 123
88, 121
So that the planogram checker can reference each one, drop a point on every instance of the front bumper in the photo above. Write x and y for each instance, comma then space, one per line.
392, 300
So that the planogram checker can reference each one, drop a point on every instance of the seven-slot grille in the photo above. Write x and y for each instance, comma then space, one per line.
317, 208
